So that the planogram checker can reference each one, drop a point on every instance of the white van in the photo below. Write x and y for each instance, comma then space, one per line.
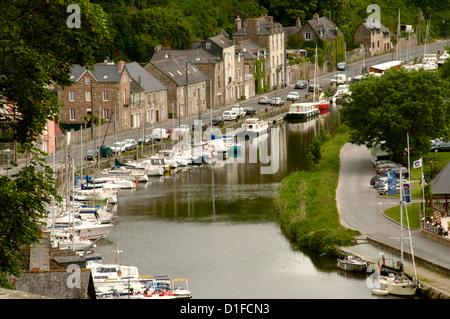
229, 115
339, 79
160, 134
239, 111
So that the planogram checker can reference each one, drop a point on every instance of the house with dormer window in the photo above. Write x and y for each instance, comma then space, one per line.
185, 83
103, 91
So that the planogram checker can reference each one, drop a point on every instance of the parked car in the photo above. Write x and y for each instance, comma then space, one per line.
300, 84
277, 101
229, 115
441, 147
118, 147
182, 130
384, 188
106, 151
249, 110
217, 120
160, 134
203, 125
147, 139
317, 86
91, 154
342, 66
263, 100
130, 144
293, 96
338, 79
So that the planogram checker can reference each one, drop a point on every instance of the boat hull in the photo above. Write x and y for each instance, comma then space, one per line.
353, 267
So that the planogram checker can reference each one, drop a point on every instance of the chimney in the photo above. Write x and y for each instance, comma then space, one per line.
120, 66
237, 24
140, 80
298, 23
316, 16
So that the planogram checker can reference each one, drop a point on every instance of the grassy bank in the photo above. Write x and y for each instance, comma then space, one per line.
306, 202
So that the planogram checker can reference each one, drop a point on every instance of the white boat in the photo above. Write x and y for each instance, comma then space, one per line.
299, 111
396, 282
443, 58
352, 264
132, 174
342, 92
101, 195
67, 240
88, 230
429, 62
253, 127
218, 148
150, 168
169, 158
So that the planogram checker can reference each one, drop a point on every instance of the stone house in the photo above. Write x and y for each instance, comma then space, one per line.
332, 38
375, 37
253, 56
269, 35
148, 97
230, 88
185, 83
208, 64
104, 91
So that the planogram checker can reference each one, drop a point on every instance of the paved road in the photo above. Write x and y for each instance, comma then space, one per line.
360, 208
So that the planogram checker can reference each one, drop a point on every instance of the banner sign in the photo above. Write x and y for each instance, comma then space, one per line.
392, 181
406, 193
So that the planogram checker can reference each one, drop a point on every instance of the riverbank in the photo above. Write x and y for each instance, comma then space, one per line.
306, 202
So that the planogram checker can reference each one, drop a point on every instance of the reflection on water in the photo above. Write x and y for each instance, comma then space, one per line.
214, 225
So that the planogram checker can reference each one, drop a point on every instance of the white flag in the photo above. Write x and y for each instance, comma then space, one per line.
417, 163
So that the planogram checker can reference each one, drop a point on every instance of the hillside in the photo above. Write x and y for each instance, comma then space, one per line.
139, 25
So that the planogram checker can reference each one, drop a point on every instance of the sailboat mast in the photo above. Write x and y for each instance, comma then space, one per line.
315, 74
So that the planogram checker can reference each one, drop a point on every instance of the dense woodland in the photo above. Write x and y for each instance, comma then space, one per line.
139, 25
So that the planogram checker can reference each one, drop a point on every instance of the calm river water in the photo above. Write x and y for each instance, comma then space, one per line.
214, 225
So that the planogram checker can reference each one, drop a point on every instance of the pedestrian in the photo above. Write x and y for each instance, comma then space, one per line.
285, 83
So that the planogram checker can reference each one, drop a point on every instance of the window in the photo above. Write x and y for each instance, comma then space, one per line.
307, 36
105, 96
71, 95
73, 116
88, 96
154, 99
149, 100
162, 96
106, 113
87, 80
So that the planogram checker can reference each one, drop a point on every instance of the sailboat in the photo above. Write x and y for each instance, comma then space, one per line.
322, 103
396, 281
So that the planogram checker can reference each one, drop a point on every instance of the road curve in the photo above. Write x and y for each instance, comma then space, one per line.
361, 209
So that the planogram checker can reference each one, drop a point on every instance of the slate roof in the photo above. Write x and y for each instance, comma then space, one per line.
251, 49
375, 24
148, 83
440, 185
198, 55
266, 27
103, 72
324, 28
175, 69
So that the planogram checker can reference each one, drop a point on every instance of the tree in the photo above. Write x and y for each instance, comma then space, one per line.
38, 45
388, 107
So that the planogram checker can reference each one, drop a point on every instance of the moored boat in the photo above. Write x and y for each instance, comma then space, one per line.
301, 111
351, 263
253, 127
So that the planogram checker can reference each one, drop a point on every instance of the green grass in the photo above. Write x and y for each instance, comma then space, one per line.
306, 205
413, 211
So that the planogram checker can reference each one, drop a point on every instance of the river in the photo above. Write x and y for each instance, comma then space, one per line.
214, 225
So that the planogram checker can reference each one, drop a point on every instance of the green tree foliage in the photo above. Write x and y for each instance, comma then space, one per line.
37, 49
388, 107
